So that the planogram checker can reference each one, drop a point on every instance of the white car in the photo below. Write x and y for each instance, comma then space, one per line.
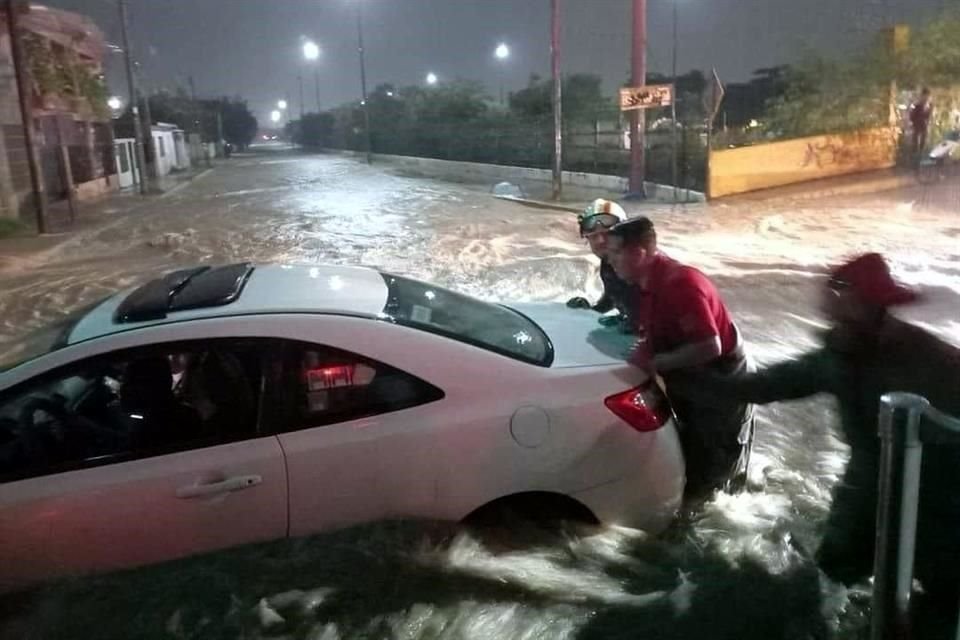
221, 406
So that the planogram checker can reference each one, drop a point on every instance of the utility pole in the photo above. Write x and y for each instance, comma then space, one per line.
134, 100
557, 99
152, 167
316, 77
363, 83
637, 116
300, 84
673, 103
21, 70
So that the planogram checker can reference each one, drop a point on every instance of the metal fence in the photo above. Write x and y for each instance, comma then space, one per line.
593, 146
909, 421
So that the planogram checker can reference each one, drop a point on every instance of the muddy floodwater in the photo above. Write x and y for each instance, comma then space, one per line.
742, 569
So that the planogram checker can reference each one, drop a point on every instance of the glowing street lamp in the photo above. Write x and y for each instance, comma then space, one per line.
502, 52
432, 79
311, 51
282, 105
275, 116
115, 103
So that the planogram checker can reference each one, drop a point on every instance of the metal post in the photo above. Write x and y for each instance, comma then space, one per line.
220, 140
316, 77
363, 83
899, 412
557, 100
300, 84
141, 160
153, 168
673, 106
21, 70
637, 116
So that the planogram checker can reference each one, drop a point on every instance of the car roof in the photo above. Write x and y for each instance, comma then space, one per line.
329, 289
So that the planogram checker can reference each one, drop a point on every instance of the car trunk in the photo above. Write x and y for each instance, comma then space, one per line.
578, 338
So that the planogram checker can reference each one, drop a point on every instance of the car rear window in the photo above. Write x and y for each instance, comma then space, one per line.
482, 324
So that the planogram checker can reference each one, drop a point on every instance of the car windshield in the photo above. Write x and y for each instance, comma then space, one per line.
44, 340
482, 324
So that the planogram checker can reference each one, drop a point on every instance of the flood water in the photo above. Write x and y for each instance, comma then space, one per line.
740, 569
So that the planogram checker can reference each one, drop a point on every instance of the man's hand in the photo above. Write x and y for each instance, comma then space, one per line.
639, 356
609, 321
579, 303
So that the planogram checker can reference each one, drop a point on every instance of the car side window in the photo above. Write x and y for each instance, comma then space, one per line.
131, 404
327, 385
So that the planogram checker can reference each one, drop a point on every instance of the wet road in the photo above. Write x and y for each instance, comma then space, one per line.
742, 570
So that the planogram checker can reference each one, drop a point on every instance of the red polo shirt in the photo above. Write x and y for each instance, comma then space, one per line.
680, 306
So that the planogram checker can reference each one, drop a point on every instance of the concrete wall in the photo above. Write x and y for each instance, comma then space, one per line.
490, 173
97, 188
776, 164
14, 176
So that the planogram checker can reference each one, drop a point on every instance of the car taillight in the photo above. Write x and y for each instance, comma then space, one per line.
644, 408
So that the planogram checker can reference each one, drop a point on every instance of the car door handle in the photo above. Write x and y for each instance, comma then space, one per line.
236, 483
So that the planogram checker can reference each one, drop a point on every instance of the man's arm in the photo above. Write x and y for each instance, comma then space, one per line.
690, 355
604, 304
804, 376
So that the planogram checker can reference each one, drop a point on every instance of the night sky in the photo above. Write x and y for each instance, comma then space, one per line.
251, 48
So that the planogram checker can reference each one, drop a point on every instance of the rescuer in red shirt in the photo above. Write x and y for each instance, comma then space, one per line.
684, 327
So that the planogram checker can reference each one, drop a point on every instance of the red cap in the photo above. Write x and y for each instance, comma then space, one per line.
869, 277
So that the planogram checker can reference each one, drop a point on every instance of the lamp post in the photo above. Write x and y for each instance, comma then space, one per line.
502, 53
311, 53
364, 103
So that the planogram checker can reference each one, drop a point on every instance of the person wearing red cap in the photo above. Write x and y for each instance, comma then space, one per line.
867, 352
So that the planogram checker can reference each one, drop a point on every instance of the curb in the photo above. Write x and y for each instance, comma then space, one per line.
540, 204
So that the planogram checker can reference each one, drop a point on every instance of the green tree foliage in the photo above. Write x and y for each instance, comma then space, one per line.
840, 95
239, 124
583, 98
313, 131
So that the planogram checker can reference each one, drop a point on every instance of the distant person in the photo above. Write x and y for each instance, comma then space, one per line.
684, 327
595, 224
866, 353
920, 113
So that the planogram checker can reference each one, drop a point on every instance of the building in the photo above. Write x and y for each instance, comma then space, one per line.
64, 53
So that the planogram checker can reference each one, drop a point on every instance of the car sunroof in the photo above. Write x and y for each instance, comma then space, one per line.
185, 289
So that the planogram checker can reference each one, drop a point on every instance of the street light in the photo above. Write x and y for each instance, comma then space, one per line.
431, 79
363, 83
114, 103
502, 52
275, 116
282, 105
310, 50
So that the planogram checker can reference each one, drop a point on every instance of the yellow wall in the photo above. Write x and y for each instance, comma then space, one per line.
776, 164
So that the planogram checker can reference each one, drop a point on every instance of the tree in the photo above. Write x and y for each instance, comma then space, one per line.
840, 95
313, 131
583, 98
746, 101
239, 124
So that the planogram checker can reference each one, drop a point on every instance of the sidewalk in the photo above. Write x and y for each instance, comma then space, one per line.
90, 215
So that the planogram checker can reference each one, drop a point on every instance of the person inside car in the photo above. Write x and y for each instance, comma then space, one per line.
595, 223
865, 353
684, 327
